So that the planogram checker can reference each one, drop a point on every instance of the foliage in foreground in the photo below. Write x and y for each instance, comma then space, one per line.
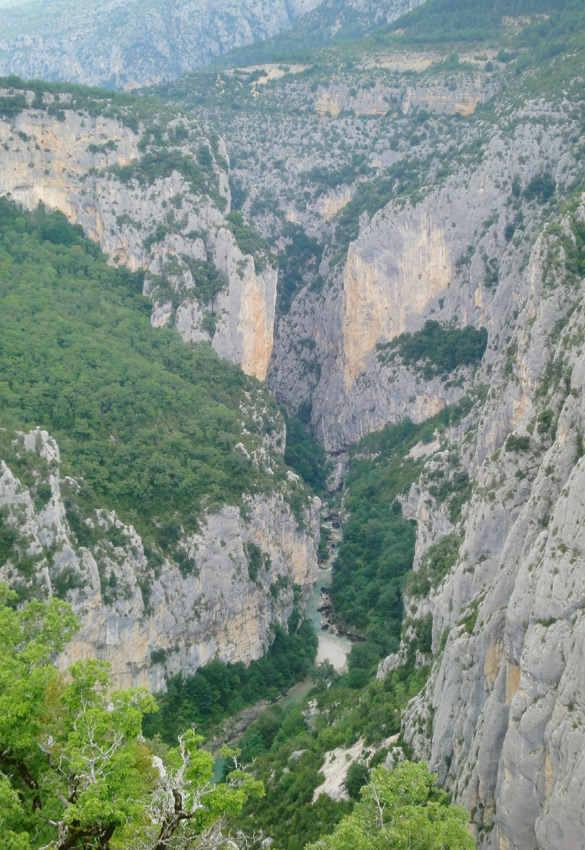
338, 717
74, 769
404, 810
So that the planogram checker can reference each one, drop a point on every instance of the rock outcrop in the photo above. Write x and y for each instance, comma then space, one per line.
169, 222
501, 719
151, 617
440, 258
475, 221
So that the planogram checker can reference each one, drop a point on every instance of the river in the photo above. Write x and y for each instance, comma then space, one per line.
331, 648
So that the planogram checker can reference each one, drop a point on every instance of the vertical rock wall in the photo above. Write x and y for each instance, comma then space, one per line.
502, 719
159, 227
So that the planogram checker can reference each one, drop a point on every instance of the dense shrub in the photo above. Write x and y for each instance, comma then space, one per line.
439, 350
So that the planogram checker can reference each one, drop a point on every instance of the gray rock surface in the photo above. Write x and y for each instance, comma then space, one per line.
130, 43
407, 265
501, 719
150, 619
461, 240
74, 163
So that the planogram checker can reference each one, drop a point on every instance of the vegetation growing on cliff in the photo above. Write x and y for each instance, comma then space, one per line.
219, 690
377, 552
249, 240
149, 423
306, 456
169, 140
438, 350
60, 97
378, 542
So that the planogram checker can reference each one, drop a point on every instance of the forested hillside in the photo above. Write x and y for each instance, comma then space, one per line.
127, 455
150, 425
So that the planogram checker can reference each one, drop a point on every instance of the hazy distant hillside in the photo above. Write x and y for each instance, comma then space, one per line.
125, 43
332, 21
4, 4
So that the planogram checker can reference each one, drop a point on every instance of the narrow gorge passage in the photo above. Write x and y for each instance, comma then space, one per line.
332, 647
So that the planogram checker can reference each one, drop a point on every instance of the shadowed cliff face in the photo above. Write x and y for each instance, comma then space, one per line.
435, 254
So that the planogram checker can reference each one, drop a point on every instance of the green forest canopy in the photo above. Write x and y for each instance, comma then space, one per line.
148, 422
74, 769
401, 809
438, 350
378, 541
218, 690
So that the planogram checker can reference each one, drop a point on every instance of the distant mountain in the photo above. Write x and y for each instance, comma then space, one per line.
127, 43
331, 21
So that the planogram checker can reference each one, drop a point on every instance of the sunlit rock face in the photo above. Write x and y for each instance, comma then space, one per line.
71, 163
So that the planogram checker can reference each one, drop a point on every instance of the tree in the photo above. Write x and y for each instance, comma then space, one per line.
401, 809
75, 771
324, 675
357, 776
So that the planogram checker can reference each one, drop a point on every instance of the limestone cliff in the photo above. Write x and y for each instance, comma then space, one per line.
151, 188
487, 233
308, 165
168, 221
146, 614
501, 718
387, 285
319, 169
129, 43
438, 256
428, 201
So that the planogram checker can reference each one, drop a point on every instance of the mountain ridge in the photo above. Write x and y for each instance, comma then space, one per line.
130, 43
